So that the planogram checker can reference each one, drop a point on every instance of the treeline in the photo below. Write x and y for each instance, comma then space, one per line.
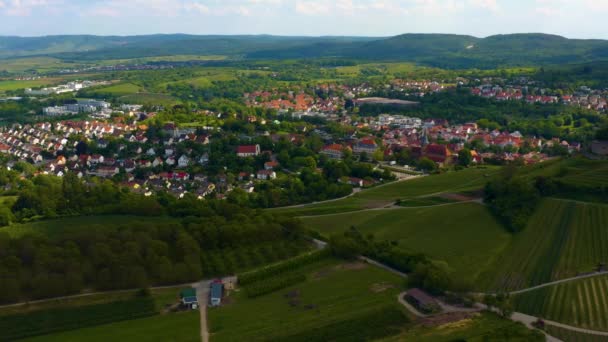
211, 236
512, 199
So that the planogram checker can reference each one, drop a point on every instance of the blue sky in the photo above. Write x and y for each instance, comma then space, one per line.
570, 18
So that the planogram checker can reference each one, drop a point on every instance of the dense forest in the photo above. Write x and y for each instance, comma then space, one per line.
210, 238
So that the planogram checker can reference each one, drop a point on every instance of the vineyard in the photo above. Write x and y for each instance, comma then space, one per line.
281, 267
582, 303
273, 284
232, 260
562, 239
19, 326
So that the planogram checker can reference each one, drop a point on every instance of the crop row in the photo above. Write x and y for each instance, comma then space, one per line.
13, 327
282, 267
273, 284
582, 303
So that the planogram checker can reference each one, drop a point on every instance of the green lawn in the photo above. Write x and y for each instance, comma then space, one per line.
465, 235
483, 327
455, 181
582, 303
333, 292
16, 85
562, 239
178, 327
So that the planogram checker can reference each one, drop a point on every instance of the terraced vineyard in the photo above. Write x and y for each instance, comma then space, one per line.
562, 239
582, 303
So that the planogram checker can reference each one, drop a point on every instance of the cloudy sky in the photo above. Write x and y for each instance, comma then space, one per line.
570, 18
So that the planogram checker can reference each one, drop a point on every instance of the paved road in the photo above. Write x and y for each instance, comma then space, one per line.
383, 266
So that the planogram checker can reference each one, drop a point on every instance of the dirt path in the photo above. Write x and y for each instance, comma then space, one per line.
40, 301
202, 294
355, 191
584, 276
396, 207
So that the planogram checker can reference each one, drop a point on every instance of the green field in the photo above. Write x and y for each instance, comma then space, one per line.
482, 327
333, 292
562, 239
465, 180
149, 98
572, 336
178, 327
465, 235
16, 85
582, 303
120, 89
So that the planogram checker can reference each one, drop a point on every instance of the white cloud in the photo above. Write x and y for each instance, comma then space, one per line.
491, 5
312, 7
23, 7
197, 7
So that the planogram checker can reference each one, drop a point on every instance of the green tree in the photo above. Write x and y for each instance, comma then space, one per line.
464, 157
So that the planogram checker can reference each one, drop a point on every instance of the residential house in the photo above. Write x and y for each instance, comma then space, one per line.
244, 151
189, 298
183, 161
266, 174
333, 151
367, 145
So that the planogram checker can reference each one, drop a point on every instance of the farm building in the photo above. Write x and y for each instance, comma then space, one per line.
422, 301
216, 293
188, 297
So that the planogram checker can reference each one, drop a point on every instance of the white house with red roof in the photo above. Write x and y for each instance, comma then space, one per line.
244, 151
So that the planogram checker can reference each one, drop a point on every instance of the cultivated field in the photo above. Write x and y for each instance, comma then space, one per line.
332, 292
120, 89
73, 314
582, 303
482, 327
465, 235
178, 327
563, 238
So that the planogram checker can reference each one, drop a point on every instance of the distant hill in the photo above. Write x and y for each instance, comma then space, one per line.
440, 50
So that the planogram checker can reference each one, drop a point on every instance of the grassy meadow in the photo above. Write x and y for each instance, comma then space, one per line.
582, 303
465, 235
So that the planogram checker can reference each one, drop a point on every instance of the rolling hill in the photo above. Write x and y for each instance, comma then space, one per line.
439, 50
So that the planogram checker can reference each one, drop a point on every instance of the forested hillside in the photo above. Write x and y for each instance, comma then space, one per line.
440, 50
